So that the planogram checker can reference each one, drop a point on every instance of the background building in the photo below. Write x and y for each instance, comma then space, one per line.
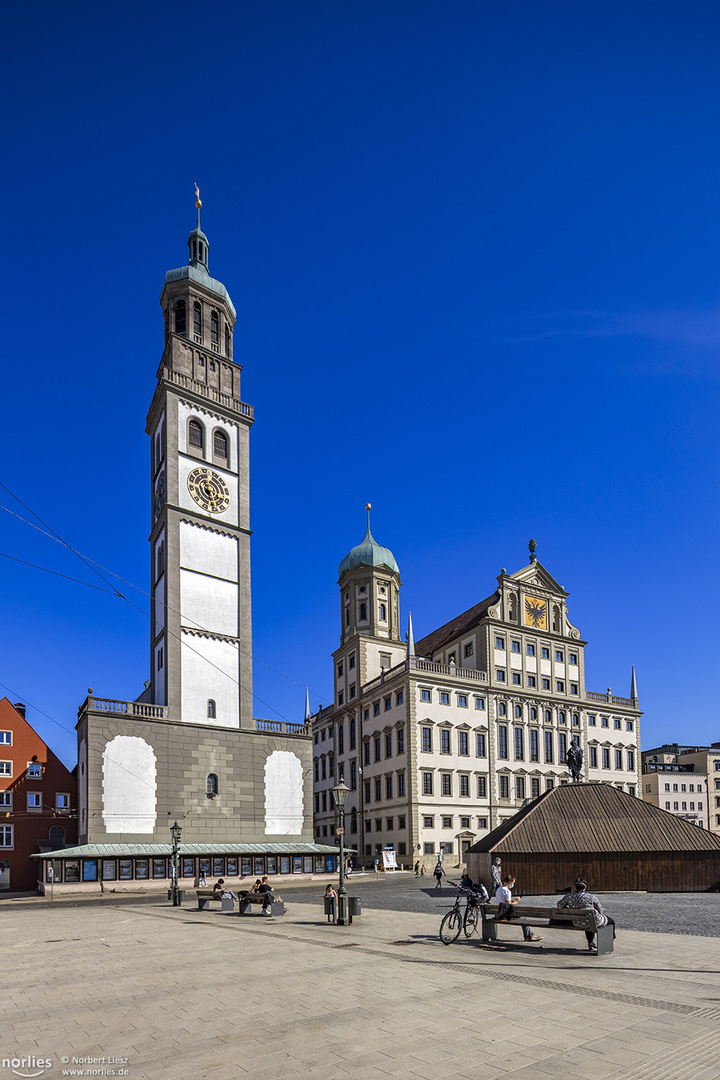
38, 800
684, 780
442, 741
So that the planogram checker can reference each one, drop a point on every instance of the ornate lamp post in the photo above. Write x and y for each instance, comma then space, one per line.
340, 794
175, 834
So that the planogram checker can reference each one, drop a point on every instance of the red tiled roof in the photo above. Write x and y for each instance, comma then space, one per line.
453, 629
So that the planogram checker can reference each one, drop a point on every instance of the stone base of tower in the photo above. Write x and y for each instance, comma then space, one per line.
140, 770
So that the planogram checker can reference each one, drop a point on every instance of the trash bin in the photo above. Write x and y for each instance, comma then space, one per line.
354, 906
181, 895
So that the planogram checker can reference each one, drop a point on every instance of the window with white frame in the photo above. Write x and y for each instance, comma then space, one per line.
6, 836
6, 738
62, 801
34, 800
5, 768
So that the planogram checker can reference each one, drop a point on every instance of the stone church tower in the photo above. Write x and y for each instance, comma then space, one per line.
189, 747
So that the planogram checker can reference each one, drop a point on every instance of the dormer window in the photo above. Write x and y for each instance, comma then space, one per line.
180, 317
214, 328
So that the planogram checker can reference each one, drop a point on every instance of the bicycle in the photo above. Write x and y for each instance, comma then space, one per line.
456, 920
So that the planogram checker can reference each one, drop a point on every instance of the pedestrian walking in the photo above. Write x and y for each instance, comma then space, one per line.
438, 872
417, 868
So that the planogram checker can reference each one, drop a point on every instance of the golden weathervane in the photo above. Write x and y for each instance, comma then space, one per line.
198, 203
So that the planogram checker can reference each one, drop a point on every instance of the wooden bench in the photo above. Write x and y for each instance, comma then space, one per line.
204, 897
247, 899
547, 919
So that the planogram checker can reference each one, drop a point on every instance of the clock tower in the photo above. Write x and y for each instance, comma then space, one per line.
199, 427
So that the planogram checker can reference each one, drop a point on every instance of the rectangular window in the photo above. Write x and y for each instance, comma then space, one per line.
504, 787
499, 643
353, 736
560, 686
482, 787
427, 738
341, 699
502, 741
401, 740
667, 805
462, 701
5, 768
351, 661
464, 786
479, 703
631, 763
593, 757
549, 784
591, 721
401, 786
548, 748
388, 744
5, 738
427, 783
534, 752
376, 708
468, 650
605, 758
535, 787
428, 822
604, 722
463, 747
62, 801
447, 783
352, 691
353, 775
447, 822
532, 681
573, 659
378, 824
378, 790
546, 684
444, 698
520, 787
6, 798
618, 759
446, 847
390, 824
366, 752
388, 787
399, 698
482, 823
480, 744
519, 751
562, 748
531, 650
34, 770
428, 849
545, 653
516, 678
34, 800
515, 647
368, 789
559, 656
464, 822
444, 741
617, 725
574, 688
401, 822
388, 704
500, 675
424, 695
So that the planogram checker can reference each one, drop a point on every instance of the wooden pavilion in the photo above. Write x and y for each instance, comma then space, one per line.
613, 841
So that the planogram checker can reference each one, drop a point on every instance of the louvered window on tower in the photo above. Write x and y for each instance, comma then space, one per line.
180, 317
214, 329
197, 320
195, 434
220, 444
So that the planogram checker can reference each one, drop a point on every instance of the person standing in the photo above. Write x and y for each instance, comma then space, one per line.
496, 875
506, 903
417, 868
438, 872
581, 898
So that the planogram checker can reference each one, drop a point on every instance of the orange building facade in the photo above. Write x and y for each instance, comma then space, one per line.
38, 800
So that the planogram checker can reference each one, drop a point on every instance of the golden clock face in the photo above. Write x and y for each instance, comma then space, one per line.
535, 613
209, 490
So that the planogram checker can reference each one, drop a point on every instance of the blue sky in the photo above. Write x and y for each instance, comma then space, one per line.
474, 250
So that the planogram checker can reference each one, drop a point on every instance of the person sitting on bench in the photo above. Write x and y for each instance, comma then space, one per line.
506, 901
581, 898
219, 890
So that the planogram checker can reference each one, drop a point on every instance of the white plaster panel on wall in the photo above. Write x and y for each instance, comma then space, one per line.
129, 785
500, 658
209, 670
209, 423
206, 603
573, 671
516, 661
559, 671
82, 784
283, 794
531, 664
185, 467
545, 667
372, 657
160, 605
209, 552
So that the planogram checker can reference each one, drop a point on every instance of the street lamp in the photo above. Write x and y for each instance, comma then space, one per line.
175, 834
340, 794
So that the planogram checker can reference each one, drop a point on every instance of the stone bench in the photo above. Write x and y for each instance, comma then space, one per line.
547, 919
247, 899
204, 897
